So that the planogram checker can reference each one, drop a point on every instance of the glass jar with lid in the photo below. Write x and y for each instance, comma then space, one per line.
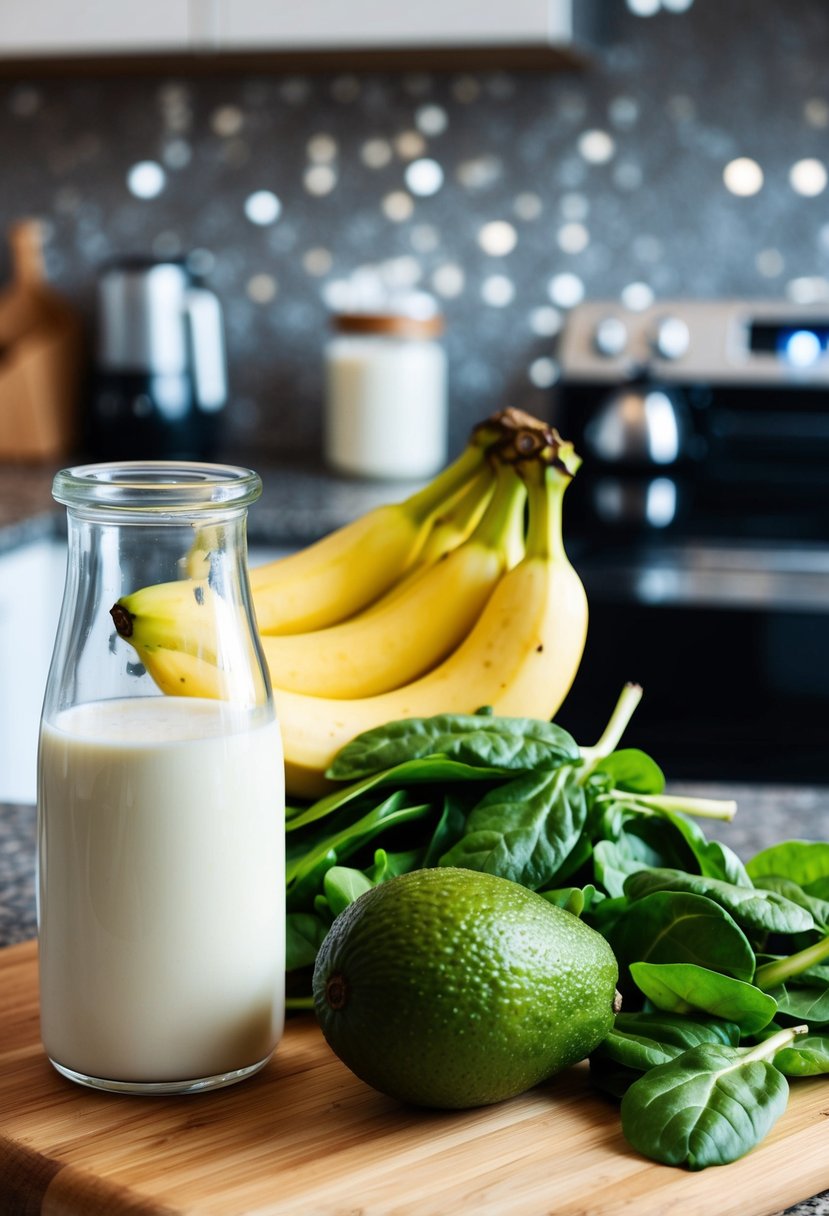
386, 395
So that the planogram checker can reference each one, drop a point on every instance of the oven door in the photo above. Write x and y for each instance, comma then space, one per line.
731, 646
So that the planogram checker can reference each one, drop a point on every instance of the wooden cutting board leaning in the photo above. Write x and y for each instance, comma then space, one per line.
305, 1135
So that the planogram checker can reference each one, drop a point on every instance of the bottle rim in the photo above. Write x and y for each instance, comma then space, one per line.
162, 486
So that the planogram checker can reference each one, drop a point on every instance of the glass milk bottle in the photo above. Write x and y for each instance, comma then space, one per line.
160, 816
386, 409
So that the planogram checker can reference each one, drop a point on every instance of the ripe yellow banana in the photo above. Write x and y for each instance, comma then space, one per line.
520, 658
185, 615
415, 626
182, 614
348, 569
180, 673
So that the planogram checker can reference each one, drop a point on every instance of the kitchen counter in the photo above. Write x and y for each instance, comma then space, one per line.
766, 814
300, 503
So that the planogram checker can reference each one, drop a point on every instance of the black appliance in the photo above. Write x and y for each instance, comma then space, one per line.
699, 522
159, 385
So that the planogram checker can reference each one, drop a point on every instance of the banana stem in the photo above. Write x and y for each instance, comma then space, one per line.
545, 488
505, 509
466, 508
422, 505
459, 516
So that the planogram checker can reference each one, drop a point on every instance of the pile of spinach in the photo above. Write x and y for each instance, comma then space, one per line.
724, 967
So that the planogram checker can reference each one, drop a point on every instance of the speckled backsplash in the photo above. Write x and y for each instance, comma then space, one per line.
688, 160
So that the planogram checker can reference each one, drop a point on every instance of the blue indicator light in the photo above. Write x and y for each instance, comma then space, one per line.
802, 347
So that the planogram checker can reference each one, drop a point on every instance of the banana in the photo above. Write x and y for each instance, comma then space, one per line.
181, 674
416, 625
238, 679
520, 658
181, 614
348, 569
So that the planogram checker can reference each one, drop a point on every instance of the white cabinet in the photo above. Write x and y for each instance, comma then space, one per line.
81, 27
333, 24
31, 592
75, 28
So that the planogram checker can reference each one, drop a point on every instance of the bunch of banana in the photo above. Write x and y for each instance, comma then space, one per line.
458, 609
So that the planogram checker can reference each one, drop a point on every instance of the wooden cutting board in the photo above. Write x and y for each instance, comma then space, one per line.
306, 1137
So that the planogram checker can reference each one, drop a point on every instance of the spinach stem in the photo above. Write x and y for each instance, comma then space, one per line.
767, 1049
771, 975
700, 808
299, 1002
619, 719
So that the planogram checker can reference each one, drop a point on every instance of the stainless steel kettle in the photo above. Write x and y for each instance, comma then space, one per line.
160, 381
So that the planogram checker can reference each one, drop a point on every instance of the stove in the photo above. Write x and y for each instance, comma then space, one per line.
699, 522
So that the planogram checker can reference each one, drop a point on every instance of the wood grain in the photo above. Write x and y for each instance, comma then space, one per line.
305, 1136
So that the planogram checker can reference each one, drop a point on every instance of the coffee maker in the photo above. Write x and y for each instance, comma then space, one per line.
159, 385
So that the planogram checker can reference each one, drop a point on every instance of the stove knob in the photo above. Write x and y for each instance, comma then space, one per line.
671, 338
610, 337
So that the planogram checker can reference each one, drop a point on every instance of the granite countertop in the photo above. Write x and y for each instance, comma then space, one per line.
300, 503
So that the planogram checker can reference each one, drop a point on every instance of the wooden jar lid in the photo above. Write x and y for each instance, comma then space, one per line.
397, 325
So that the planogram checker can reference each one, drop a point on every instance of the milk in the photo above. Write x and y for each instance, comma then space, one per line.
161, 894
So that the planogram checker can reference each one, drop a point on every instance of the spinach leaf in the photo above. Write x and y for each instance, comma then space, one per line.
505, 744
630, 769
449, 829
647, 835
574, 899
577, 858
684, 987
435, 769
709, 1106
389, 865
804, 861
525, 829
301, 895
304, 933
342, 885
612, 866
713, 859
819, 888
803, 1003
765, 911
679, 927
807, 1056
819, 908
349, 838
629, 841
643, 1040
